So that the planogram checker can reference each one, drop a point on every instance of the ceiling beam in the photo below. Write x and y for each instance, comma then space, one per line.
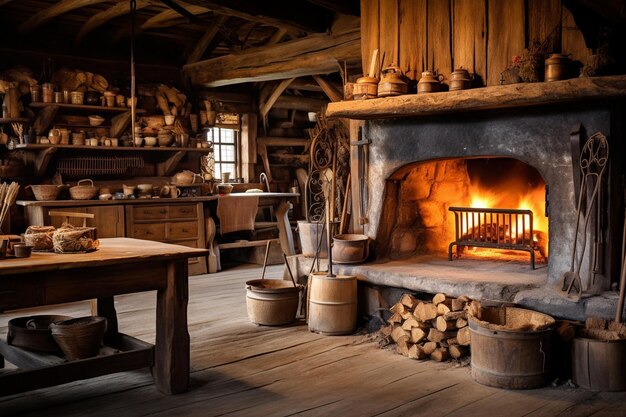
314, 54
206, 39
120, 9
296, 16
57, 9
351, 7
329, 89
169, 17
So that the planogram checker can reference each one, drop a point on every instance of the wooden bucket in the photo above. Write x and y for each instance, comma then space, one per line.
506, 352
332, 304
272, 302
598, 365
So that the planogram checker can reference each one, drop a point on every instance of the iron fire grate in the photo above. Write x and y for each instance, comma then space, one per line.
493, 228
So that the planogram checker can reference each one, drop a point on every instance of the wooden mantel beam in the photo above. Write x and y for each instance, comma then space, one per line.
314, 54
584, 89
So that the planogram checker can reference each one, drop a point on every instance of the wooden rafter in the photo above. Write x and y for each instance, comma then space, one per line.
53, 11
314, 54
266, 104
350, 7
169, 17
119, 9
205, 40
277, 37
329, 89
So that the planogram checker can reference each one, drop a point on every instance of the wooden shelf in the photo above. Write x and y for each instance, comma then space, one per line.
39, 370
40, 147
13, 120
487, 98
45, 153
87, 107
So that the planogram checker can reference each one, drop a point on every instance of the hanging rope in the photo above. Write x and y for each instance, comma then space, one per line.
133, 104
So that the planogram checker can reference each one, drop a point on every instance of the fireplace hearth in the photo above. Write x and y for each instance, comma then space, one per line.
421, 164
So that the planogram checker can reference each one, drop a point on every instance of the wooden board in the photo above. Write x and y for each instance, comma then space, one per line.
572, 41
388, 53
369, 32
544, 23
439, 47
412, 37
504, 40
469, 37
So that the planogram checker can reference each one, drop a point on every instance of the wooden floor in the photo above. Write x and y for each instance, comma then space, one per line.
240, 369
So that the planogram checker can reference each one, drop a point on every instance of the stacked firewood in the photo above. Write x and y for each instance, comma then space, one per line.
437, 330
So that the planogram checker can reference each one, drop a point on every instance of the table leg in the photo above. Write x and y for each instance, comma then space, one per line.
105, 307
172, 337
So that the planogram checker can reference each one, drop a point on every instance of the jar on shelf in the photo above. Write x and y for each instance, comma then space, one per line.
47, 92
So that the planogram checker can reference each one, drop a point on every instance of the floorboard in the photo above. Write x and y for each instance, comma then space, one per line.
241, 369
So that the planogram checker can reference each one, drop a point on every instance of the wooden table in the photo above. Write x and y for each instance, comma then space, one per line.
119, 266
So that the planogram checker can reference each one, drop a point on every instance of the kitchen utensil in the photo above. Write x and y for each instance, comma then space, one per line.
96, 120
558, 67
622, 281
593, 161
460, 80
430, 82
392, 82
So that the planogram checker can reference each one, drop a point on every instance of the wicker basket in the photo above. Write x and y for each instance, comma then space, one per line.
45, 192
75, 239
83, 192
39, 237
79, 338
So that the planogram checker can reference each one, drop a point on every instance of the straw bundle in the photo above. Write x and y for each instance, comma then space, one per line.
8, 194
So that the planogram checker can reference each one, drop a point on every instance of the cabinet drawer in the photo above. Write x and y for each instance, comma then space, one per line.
150, 212
150, 231
182, 211
182, 230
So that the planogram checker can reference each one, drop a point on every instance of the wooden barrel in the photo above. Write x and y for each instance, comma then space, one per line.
598, 365
332, 304
515, 358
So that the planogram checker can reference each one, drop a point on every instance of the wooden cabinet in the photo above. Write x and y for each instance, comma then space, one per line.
182, 224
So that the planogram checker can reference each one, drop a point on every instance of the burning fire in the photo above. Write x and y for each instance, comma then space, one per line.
510, 196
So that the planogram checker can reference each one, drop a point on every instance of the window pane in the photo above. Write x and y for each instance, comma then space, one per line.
228, 136
228, 168
228, 153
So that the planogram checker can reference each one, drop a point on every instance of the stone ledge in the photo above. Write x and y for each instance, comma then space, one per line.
482, 280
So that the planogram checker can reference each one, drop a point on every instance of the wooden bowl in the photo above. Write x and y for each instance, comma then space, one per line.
96, 120
33, 333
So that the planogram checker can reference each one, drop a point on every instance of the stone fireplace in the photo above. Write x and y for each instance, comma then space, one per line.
426, 154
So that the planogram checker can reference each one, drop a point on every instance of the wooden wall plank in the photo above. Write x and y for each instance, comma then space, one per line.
505, 35
544, 23
469, 40
412, 37
388, 32
439, 37
369, 31
572, 41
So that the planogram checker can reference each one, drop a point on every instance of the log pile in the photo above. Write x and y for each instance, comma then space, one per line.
437, 330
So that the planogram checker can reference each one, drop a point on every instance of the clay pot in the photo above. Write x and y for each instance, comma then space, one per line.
558, 67
350, 248
187, 178
392, 82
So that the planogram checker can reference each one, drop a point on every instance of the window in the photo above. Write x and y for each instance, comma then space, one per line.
226, 151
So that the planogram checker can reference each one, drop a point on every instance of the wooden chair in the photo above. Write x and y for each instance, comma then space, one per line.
213, 259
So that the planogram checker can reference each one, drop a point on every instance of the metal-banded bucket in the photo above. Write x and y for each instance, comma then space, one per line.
272, 302
332, 304
515, 358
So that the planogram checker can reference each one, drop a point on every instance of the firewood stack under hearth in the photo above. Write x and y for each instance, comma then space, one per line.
437, 330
